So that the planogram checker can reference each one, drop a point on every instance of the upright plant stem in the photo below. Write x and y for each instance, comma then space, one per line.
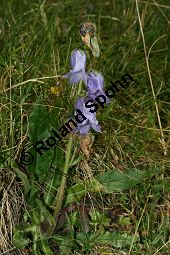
60, 195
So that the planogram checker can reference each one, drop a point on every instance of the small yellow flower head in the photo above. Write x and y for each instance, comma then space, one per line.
56, 90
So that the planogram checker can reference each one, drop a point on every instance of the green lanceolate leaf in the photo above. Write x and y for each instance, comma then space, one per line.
38, 213
74, 162
39, 131
79, 190
119, 181
36, 216
116, 239
50, 188
22, 176
36, 252
19, 238
46, 248
44, 212
38, 123
109, 182
53, 178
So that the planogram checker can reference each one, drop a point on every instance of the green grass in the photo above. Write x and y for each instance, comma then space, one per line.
36, 40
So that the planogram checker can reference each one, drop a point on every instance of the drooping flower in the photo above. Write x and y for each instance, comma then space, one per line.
95, 85
89, 120
78, 64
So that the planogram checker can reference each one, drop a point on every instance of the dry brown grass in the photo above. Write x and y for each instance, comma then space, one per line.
11, 208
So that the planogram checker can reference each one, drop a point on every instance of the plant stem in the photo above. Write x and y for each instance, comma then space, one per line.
60, 194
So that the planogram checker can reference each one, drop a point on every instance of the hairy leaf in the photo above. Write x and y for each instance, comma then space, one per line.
19, 239
116, 239
119, 181
22, 176
39, 131
79, 190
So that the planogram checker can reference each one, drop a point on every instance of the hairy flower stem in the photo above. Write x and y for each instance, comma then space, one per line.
60, 195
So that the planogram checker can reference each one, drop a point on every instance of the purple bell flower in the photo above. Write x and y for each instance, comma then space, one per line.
90, 120
78, 64
95, 85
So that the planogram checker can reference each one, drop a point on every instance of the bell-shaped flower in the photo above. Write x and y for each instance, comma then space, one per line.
78, 64
95, 85
88, 120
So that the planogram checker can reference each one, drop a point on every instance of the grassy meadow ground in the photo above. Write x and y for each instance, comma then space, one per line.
36, 40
